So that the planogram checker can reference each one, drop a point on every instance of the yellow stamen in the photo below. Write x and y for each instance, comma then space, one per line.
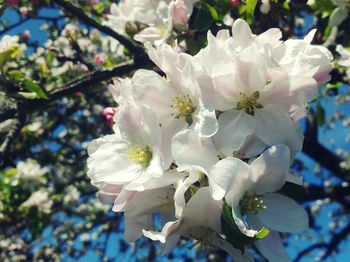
249, 103
183, 108
140, 155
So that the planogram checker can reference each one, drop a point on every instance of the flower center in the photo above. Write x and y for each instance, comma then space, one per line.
252, 203
183, 108
249, 103
140, 155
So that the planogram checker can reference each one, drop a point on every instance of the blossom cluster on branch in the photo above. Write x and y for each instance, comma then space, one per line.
202, 149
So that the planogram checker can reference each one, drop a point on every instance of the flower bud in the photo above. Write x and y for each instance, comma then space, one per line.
109, 113
99, 59
179, 13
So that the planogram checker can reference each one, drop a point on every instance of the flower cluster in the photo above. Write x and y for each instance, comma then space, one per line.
205, 151
149, 21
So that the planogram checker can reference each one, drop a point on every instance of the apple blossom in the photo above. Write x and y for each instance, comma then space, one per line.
130, 157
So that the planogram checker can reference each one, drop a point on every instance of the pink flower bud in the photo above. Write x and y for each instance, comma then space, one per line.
26, 34
99, 59
179, 13
235, 3
109, 113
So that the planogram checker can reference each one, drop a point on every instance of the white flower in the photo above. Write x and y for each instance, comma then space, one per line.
130, 157
249, 190
71, 196
41, 200
298, 57
30, 170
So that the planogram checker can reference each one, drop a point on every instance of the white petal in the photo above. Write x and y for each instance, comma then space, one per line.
179, 197
273, 118
168, 229
152, 90
269, 170
204, 121
192, 151
229, 177
234, 127
283, 214
198, 208
271, 246
134, 226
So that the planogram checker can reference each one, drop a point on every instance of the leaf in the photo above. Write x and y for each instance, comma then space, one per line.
214, 14
292, 190
250, 5
16, 75
35, 87
203, 19
233, 235
28, 95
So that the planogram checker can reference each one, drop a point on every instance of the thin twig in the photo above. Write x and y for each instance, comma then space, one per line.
80, 14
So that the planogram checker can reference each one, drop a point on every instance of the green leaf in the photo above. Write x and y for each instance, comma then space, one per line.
28, 95
16, 75
214, 14
203, 19
292, 190
233, 235
35, 88
251, 4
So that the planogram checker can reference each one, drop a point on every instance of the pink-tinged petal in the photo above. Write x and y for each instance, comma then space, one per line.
179, 12
192, 151
234, 127
199, 206
241, 33
271, 246
290, 92
149, 201
283, 214
152, 90
149, 34
123, 199
138, 125
179, 197
269, 170
229, 178
108, 193
273, 118
251, 72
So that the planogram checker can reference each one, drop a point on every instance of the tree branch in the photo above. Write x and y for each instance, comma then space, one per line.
80, 14
320, 153
73, 87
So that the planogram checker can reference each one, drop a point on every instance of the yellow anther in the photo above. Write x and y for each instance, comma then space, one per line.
140, 155
249, 103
